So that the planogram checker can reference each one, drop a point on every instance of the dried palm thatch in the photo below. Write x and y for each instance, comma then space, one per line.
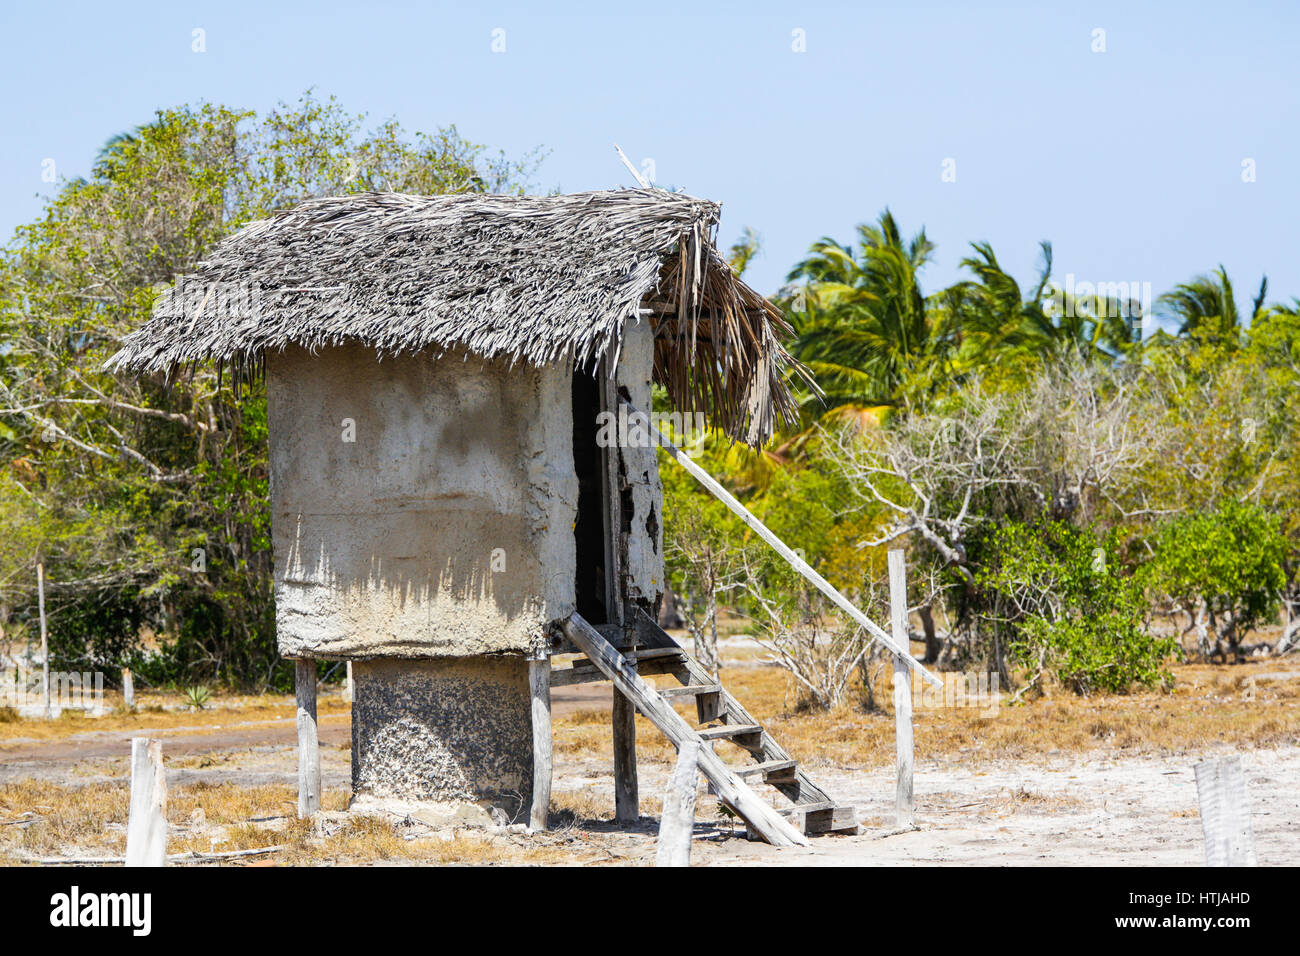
533, 279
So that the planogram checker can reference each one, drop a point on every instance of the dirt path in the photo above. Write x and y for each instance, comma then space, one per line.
53, 759
1096, 808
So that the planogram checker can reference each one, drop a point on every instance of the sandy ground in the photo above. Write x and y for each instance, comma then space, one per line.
1067, 809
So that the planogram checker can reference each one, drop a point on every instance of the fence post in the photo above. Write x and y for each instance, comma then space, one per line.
539, 686
677, 822
308, 743
146, 827
904, 802
128, 689
45, 643
1225, 813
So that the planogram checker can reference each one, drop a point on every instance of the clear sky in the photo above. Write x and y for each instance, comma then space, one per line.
1129, 160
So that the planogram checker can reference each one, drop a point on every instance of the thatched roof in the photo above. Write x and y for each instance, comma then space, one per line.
534, 279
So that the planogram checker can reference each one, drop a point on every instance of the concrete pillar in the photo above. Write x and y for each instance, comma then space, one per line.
453, 734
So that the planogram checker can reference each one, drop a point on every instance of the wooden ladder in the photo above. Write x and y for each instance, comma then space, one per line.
810, 809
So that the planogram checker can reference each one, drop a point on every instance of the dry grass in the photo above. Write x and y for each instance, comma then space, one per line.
1209, 705
38, 819
161, 712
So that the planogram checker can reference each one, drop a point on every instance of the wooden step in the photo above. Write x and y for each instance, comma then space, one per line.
783, 769
689, 690
806, 808
729, 730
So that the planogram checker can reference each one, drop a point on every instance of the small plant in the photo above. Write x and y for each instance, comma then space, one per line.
8, 715
197, 696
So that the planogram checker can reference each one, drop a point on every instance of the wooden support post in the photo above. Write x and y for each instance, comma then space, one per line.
627, 804
146, 827
904, 803
45, 642
308, 742
1225, 813
761, 817
539, 687
128, 689
677, 823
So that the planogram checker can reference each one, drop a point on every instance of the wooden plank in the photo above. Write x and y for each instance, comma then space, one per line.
708, 707
146, 826
688, 690
729, 730
768, 768
566, 676
677, 822
1225, 813
781, 548
730, 788
806, 808
623, 719
308, 741
904, 804
539, 688
45, 642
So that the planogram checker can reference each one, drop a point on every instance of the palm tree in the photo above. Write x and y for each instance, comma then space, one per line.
865, 329
1206, 308
1001, 324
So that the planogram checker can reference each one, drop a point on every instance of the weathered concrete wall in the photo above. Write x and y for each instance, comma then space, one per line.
445, 528
643, 543
448, 731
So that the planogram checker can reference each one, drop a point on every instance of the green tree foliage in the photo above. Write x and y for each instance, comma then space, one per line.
1061, 602
1227, 564
147, 499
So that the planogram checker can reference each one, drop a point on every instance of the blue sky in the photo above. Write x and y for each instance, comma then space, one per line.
1128, 160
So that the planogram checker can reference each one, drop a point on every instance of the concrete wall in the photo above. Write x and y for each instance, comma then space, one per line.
445, 529
447, 731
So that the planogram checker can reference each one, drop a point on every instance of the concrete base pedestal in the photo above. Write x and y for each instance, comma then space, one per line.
451, 734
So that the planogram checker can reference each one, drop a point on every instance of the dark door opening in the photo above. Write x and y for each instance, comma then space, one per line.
589, 532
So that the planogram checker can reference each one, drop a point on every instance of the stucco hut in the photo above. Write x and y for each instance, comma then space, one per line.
435, 368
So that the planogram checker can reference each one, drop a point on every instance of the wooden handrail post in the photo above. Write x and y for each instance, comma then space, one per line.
904, 803
780, 547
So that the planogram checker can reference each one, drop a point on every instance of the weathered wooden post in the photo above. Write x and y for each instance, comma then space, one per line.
308, 742
1225, 813
128, 689
347, 685
146, 827
904, 803
539, 687
45, 643
677, 822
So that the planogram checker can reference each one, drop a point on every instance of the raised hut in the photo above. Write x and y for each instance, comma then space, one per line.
444, 515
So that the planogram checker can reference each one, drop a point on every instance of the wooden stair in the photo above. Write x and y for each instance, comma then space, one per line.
810, 809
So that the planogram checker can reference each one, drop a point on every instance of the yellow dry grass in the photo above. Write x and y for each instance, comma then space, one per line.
158, 712
38, 819
1209, 704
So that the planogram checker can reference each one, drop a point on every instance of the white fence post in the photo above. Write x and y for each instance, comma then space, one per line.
146, 828
904, 802
539, 687
45, 643
308, 742
677, 822
1225, 813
